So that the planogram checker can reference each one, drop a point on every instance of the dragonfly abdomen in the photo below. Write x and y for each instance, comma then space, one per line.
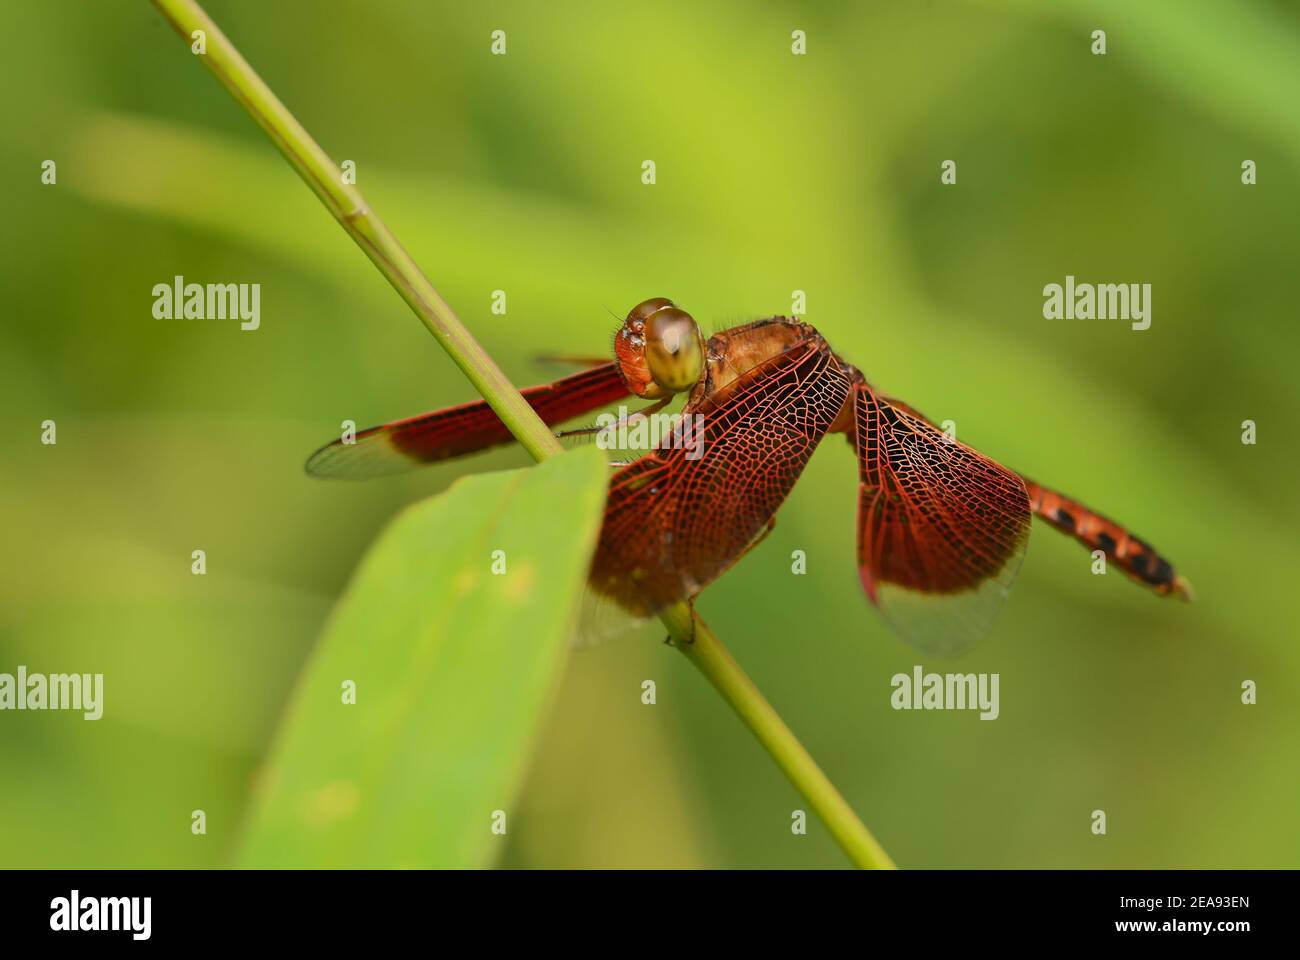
1131, 554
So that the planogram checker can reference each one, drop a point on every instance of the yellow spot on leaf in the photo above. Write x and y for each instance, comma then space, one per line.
465, 581
519, 585
331, 803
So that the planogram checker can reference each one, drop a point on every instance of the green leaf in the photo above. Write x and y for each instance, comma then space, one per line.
454, 666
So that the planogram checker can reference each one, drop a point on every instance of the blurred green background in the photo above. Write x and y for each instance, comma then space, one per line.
775, 173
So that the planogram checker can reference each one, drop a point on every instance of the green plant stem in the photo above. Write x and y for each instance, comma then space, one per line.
689, 633
345, 202
708, 654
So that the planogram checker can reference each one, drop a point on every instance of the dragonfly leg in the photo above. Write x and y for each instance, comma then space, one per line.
572, 358
624, 421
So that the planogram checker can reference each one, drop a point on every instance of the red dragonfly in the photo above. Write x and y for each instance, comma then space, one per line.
941, 528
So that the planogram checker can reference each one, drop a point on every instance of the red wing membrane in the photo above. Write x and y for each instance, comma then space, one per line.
456, 431
941, 528
674, 524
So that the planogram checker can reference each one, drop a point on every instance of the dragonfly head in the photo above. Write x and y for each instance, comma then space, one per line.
660, 350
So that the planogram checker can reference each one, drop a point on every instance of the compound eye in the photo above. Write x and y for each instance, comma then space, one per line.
674, 349
647, 307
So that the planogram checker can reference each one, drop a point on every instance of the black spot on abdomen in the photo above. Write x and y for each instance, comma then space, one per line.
1162, 574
